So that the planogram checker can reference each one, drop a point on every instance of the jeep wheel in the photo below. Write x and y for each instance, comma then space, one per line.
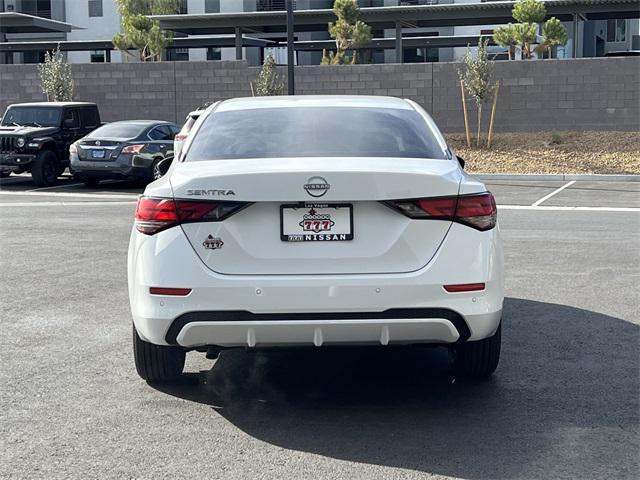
478, 359
157, 363
45, 169
90, 182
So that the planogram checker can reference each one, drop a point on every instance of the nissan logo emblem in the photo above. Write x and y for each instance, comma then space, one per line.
317, 186
97, 142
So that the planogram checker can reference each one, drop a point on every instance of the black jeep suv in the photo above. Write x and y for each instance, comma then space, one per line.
35, 137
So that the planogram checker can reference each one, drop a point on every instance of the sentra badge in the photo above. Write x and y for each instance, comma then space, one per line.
212, 243
199, 192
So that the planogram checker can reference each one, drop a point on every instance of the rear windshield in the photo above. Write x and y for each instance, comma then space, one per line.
43, 116
118, 130
314, 132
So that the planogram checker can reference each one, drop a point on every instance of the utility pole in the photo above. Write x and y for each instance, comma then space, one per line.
291, 89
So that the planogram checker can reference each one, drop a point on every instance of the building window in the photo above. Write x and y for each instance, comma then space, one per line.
33, 57
418, 2
214, 54
178, 54
271, 5
97, 56
183, 7
616, 30
211, 6
39, 8
95, 8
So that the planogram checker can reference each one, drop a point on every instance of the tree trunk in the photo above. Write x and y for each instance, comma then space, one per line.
479, 123
464, 111
493, 113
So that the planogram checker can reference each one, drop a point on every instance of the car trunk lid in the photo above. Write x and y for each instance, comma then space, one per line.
285, 192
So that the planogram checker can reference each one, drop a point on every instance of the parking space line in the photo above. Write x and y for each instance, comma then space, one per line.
32, 193
547, 197
61, 204
55, 186
562, 208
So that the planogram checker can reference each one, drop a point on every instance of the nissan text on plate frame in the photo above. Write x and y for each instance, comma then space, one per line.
315, 221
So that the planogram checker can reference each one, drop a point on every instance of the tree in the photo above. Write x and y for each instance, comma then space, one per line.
525, 34
348, 32
553, 33
477, 78
505, 36
268, 82
56, 77
139, 32
529, 11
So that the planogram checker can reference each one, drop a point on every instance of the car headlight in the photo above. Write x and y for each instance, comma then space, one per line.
20, 142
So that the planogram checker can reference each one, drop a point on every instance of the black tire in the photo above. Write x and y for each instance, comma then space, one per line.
478, 359
90, 182
45, 169
157, 363
5, 173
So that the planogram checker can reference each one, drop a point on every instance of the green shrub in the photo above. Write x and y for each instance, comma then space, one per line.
56, 79
268, 82
556, 138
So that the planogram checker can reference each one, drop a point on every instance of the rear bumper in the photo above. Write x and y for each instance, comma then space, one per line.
124, 166
252, 310
15, 161
238, 328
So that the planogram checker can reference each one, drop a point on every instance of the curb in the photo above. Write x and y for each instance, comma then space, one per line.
561, 177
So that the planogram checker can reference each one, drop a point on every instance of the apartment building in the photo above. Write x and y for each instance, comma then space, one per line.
99, 20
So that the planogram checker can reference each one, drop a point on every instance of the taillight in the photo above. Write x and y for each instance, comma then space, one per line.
181, 136
441, 208
156, 214
133, 149
73, 149
478, 210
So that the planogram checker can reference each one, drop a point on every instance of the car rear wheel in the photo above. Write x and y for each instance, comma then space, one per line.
157, 363
156, 172
45, 169
478, 359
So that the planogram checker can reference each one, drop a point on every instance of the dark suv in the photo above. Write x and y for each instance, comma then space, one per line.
35, 137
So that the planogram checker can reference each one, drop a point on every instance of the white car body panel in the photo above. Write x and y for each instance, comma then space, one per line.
314, 294
252, 238
167, 260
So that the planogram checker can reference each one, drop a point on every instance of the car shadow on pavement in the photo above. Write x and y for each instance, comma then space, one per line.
563, 402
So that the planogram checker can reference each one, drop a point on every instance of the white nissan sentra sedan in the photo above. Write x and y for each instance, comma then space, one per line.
315, 221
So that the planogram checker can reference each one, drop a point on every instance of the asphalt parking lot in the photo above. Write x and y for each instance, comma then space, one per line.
564, 402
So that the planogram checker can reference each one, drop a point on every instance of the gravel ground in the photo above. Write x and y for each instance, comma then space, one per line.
547, 152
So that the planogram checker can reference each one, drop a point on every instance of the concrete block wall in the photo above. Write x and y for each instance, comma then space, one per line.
577, 94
